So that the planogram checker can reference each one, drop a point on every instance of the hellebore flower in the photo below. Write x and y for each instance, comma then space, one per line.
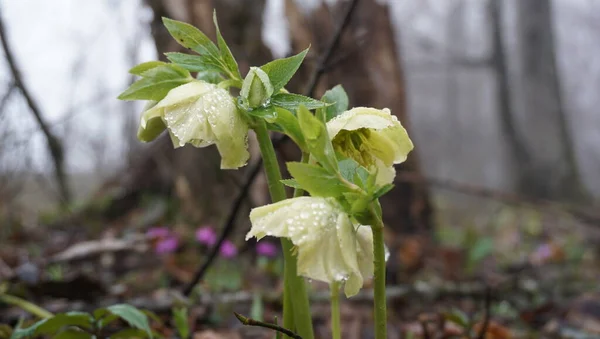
200, 114
206, 236
266, 249
373, 138
330, 247
228, 249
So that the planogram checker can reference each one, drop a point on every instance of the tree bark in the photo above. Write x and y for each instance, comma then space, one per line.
550, 166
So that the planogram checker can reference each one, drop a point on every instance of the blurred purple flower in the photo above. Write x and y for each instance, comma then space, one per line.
228, 249
166, 245
266, 249
163, 240
206, 235
158, 232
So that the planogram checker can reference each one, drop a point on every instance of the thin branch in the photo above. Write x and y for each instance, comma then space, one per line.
255, 169
251, 322
6, 96
335, 41
54, 144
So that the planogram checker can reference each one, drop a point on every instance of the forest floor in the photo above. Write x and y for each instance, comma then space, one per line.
517, 271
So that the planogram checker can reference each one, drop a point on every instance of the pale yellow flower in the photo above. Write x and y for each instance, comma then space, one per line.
200, 114
329, 246
374, 138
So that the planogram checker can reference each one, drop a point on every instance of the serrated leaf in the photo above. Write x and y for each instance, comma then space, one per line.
291, 183
141, 68
190, 37
292, 101
316, 180
132, 316
210, 77
156, 83
381, 191
317, 139
338, 98
226, 54
288, 124
193, 63
280, 71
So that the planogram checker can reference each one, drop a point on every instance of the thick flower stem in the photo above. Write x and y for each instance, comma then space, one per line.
336, 332
379, 279
295, 288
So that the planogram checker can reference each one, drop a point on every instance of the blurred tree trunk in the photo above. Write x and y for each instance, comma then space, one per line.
367, 64
550, 166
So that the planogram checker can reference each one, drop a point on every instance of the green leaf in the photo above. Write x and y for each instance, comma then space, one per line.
73, 334
316, 180
280, 71
481, 249
458, 317
268, 113
130, 333
338, 98
190, 37
292, 101
132, 316
317, 139
382, 190
156, 83
193, 63
289, 125
210, 77
141, 68
226, 54
52, 325
180, 319
348, 168
291, 183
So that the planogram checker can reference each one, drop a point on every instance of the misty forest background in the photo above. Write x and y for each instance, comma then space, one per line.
500, 98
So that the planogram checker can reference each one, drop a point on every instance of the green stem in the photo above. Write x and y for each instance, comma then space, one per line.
336, 332
25, 305
295, 288
379, 280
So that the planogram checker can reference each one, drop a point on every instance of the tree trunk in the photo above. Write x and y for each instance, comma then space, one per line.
550, 168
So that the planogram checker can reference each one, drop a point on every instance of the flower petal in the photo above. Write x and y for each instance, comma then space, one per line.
361, 117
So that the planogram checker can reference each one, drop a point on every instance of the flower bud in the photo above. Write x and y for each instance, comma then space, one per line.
257, 88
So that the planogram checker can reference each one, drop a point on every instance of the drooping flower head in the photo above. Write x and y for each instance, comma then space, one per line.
329, 246
374, 138
206, 236
200, 114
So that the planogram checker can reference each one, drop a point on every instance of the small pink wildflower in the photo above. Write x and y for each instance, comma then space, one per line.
228, 250
163, 240
206, 235
266, 249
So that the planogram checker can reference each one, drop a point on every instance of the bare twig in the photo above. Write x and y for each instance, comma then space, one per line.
254, 170
54, 144
335, 41
229, 226
6, 96
251, 322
